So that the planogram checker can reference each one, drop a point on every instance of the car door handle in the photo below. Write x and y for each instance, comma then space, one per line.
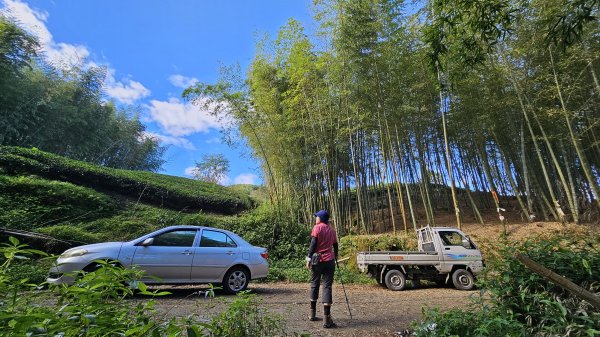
447, 248
230, 253
186, 252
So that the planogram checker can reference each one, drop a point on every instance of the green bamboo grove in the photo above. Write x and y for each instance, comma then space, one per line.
394, 114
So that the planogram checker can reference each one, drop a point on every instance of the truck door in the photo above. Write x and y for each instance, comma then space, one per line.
456, 248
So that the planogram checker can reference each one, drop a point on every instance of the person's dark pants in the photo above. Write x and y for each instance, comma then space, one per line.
323, 270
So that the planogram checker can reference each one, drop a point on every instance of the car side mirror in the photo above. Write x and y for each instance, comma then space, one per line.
147, 242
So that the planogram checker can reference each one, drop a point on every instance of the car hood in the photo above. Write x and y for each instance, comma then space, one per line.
97, 247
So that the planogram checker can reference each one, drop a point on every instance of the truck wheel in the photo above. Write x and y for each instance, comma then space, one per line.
463, 279
395, 280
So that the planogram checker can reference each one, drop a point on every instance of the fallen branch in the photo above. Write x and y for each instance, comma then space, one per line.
561, 281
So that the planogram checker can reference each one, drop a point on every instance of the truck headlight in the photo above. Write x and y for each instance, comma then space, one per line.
74, 252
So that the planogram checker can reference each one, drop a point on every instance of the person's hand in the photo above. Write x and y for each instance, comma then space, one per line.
307, 264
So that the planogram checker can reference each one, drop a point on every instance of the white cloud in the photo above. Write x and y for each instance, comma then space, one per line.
127, 91
225, 180
181, 81
180, 118
64, 55
246, 178
60, 55
177, 141
214, 140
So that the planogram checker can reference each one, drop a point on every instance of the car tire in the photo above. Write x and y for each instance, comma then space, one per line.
395, 280
236, 279
463, 279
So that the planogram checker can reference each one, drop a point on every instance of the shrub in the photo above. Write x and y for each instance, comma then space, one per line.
352, 244
488, 322
30, 202
67, 236
272, 228
243, 317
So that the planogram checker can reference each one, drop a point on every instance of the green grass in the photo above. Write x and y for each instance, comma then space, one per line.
158, 189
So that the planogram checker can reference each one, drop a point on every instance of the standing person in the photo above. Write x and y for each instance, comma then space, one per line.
323, 242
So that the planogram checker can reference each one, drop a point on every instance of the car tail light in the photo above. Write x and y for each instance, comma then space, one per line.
265, 255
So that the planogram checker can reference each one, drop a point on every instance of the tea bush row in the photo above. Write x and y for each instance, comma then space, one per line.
167, 191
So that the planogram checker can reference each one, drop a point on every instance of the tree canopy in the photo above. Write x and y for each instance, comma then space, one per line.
66, 112
394, 104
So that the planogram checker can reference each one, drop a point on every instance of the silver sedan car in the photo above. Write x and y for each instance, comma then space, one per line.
174, 255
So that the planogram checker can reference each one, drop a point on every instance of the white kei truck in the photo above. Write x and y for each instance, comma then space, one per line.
444, 254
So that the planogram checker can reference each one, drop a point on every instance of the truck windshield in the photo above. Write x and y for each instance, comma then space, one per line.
450, 238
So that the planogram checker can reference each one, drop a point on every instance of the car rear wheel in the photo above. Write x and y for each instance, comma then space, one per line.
236, 280
463, 279
395, 280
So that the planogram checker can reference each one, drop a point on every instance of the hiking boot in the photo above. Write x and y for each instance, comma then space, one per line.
313, 316
329, 323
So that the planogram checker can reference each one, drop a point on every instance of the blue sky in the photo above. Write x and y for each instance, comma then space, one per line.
153, 50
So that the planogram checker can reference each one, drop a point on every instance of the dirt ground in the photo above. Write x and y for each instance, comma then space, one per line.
376, 311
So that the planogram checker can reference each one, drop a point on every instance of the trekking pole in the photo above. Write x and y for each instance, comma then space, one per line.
342, 282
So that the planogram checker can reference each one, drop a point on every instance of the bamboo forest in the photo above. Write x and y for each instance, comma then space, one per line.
398, 114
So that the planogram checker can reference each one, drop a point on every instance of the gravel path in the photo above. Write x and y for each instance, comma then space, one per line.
376, 310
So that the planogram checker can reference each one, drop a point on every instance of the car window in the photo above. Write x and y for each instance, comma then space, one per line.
216, 239
455, 239
178, 238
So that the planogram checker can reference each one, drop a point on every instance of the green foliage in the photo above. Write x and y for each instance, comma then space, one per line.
486, 322
70, 233
243, 317
288, 270
158, 189
352, 244
212, 168
518, 302
17, 47
296, 271
545, 307
271, 227
31, 202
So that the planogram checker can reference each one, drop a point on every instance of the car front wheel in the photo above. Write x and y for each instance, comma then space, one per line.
236, 280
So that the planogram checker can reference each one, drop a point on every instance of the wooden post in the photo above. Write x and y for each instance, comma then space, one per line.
560, 281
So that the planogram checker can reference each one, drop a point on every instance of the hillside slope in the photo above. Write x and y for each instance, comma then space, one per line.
81, 203
172, 192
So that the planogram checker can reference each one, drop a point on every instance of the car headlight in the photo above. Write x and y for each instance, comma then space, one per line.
74, 252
